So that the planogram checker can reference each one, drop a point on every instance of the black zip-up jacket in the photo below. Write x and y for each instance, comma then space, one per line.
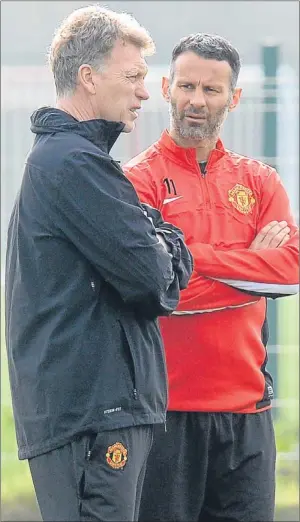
86, 279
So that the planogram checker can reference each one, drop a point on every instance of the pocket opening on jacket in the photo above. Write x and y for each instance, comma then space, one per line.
129, 360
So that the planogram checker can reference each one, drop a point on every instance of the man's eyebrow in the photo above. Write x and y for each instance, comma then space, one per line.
210, 81
141, 70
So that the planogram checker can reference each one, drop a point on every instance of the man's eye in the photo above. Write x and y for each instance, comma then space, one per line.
187, 86
210, 89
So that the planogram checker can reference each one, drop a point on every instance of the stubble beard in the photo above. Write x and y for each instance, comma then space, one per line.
207, 129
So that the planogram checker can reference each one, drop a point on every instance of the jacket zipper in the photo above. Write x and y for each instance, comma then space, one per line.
204, 186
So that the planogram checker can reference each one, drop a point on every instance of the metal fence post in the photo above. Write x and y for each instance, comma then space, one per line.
270, 58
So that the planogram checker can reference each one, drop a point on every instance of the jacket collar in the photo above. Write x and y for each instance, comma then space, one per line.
187, 157
102, 133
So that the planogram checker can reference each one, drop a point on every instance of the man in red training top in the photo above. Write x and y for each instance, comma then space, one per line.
217, 460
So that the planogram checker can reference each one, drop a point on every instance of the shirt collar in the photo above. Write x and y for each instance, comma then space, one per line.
187, 156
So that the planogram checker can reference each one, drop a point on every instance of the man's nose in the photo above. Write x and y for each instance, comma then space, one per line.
198, 100
142, 93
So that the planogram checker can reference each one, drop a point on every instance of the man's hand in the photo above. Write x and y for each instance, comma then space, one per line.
273, 235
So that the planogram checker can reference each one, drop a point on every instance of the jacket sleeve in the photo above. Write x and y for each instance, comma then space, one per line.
108, 226
174, 241
202, 294
270, 272
208, 295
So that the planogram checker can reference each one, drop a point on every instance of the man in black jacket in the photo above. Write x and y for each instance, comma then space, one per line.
89, 270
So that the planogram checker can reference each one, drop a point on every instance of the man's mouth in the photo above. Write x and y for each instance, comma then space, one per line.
195, 117
134, 111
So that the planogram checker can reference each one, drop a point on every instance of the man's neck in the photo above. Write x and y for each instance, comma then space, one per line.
76, 109
203, 147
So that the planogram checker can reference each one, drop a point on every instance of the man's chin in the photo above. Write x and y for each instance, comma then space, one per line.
191, 133
129, 126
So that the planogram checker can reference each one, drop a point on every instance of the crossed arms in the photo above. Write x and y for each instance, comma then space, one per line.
269, 267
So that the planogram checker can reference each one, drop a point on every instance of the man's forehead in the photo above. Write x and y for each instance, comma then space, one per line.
137, 66
191, 64
128, 56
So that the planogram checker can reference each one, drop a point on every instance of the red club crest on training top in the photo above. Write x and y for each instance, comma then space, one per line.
241, 198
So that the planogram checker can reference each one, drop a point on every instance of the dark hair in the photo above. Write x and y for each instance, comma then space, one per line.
211, 47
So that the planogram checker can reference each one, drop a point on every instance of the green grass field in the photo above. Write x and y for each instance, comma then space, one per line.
16, 484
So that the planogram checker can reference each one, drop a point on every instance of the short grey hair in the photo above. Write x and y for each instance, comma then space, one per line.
87, 36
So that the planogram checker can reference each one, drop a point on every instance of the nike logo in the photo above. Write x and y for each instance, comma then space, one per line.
168, 200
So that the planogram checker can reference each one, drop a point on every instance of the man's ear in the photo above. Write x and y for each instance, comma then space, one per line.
86, 78
235, 99
165, 88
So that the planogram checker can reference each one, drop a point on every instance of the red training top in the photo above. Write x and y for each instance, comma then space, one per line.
216, 340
